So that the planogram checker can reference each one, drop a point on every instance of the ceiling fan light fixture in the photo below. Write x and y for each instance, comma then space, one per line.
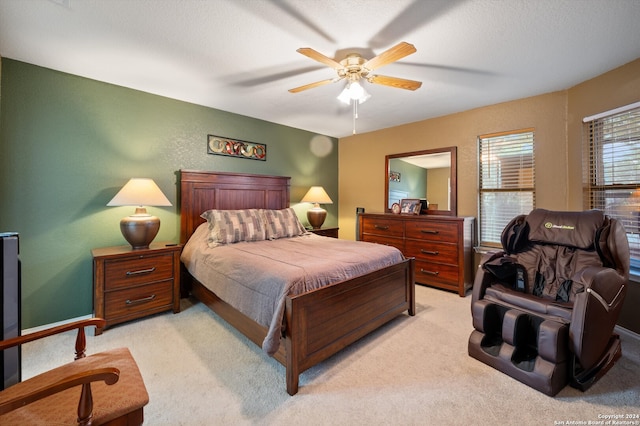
344, 96
353, 91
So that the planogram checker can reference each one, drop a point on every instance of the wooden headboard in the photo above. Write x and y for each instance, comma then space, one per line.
201, 191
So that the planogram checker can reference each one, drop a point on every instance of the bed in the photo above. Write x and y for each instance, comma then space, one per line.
317, 323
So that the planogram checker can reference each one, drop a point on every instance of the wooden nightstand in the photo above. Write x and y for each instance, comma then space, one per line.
326, 232
130, 284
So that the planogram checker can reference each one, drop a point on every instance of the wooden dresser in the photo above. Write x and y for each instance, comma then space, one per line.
442, 245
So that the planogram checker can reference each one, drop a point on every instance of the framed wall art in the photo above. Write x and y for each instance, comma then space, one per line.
220, 145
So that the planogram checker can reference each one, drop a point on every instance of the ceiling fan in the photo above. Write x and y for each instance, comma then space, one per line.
354, 68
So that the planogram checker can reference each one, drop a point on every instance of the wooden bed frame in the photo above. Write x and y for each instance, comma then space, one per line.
319, 323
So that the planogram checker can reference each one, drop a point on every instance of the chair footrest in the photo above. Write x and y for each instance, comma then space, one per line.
526, 347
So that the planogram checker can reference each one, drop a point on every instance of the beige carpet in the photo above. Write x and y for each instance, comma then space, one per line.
414, 371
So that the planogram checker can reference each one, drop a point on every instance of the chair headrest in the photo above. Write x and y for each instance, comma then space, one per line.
573, 229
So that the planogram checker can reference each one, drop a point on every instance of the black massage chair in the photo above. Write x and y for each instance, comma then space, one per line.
545, 307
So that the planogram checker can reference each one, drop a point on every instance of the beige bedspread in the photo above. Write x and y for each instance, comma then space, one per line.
255, 277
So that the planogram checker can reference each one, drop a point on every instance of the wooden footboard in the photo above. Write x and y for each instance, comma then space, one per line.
322, 322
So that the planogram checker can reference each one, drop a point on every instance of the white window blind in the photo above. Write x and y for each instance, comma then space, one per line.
506, 181
611, 171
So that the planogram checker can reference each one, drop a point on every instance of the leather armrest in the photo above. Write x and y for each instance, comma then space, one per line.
607, 283
483, 278
595, 312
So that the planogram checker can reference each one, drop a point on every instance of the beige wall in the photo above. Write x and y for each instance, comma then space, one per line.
555, 117
438, 187
361, 157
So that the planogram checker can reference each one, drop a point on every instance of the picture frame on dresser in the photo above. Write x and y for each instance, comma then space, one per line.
410, 206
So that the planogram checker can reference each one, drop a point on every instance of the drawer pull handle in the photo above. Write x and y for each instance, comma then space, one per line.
141, 271
429, 272
429, 231
384, 228
435, 253
144, 299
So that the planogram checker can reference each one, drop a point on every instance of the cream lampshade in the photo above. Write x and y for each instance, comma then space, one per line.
316, 215
140, 228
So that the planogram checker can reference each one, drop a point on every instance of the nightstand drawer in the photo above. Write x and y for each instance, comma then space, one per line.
137, 270
138, 299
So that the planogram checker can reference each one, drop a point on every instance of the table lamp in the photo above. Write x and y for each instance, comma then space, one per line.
316, 215
140, 228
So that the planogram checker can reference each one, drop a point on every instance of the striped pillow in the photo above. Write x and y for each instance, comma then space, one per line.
282, 224
232, 226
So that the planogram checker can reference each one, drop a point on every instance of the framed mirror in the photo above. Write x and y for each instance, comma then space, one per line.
429, 175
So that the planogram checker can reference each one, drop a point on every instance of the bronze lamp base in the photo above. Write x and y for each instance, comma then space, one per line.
316, 216
140, 228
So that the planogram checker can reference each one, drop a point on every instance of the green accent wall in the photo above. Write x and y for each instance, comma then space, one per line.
70, 143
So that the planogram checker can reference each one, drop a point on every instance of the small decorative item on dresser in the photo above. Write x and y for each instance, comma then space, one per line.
395, 208
410, 206
130, 284
424, 205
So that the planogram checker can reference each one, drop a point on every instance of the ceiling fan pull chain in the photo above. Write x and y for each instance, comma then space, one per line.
355, 114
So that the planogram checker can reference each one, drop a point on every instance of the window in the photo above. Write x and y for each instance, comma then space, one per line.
507, 181
611, 170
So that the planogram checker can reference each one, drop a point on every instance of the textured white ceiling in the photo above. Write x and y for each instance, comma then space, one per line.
240, 55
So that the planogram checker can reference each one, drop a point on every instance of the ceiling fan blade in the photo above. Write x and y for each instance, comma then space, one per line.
312, 85
397, 52
317, 56
400, 83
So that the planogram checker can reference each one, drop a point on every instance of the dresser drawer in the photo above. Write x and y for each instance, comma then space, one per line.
137, 270
433, 231
436, 273
432, 251
387, 241
134, 300
392, 228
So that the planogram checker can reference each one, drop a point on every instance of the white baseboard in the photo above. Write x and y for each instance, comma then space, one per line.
627, 332
55, 324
